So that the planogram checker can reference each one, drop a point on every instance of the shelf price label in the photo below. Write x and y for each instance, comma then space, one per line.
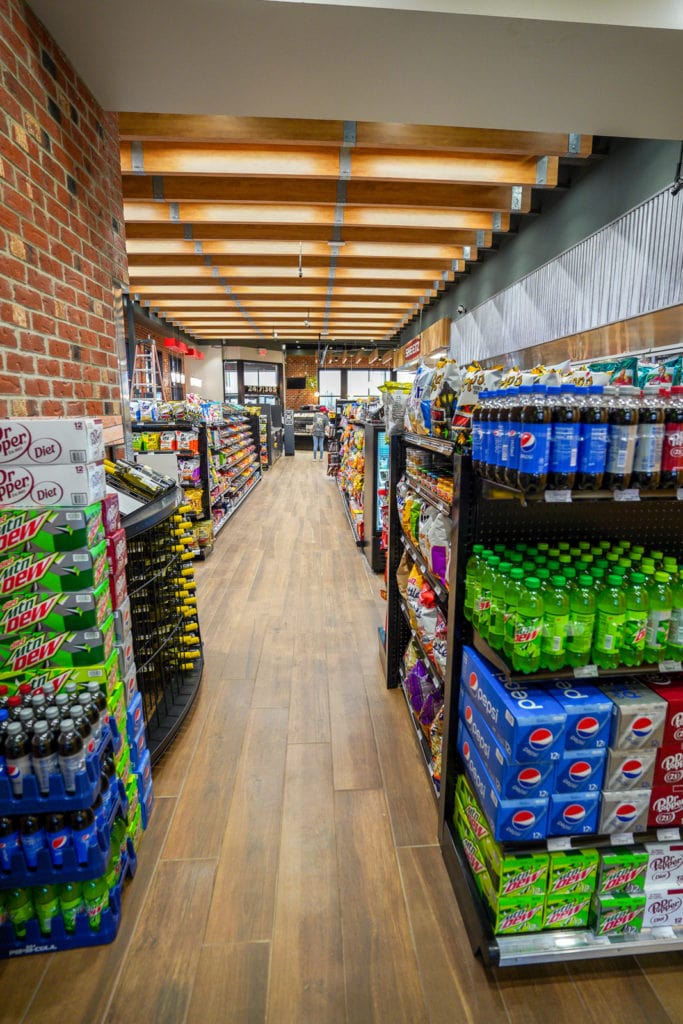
679, 494
558, 497
668, 835
559, 843
622, 839
630, 494
670, 666
586, 672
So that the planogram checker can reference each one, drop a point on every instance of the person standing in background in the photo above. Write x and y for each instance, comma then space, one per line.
320, 427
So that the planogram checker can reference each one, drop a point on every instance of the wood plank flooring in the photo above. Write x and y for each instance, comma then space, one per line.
291, 873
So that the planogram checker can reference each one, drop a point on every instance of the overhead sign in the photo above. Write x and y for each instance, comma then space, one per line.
412, 349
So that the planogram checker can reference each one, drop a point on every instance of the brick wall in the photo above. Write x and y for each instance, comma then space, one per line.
61, 231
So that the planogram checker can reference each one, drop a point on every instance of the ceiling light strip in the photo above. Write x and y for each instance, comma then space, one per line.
349, 141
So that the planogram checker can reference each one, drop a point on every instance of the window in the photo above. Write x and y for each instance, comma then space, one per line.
261, 382
329, 387
230, 389
361, 383
405, 376
175, 366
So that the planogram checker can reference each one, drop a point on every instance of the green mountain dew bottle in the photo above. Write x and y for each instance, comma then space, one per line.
609, 624
513, 589
96, 899
674, 649
472, 579
581, 621
659, 618
543, 575
635, 624
555, 623
19, 910
497, 615
46, 902
476, 594
526, 651
70, 904
488, 577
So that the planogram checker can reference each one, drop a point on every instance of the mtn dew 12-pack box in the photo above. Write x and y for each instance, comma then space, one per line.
48, 612
56, 571
571, 872
568, 911
617, 914
24, 651
105, 674
50, 529
622, 870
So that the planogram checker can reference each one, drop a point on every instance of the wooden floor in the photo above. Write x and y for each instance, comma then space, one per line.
290, 873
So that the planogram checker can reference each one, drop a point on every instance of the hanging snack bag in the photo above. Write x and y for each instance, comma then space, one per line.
436, 743
427, 514
414, 587
419, 684
414, 521
435, 544
418, 402
443, 396
430, 710
402, 575
394, 400
440, 644
426, 619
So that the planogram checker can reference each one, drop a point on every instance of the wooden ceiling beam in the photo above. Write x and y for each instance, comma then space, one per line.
272, 131
366, 164
211, 188
309, 232
173, 286
177, 260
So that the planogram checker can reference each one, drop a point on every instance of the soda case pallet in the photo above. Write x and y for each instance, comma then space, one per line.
46, 873
83, 935
485, 513
32, 801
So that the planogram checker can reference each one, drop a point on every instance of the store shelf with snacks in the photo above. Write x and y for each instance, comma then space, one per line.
354, 514
437, 585
483, 518
432, 668
351, 478
422, 743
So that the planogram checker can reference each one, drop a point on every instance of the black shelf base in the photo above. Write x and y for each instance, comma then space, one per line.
161, 734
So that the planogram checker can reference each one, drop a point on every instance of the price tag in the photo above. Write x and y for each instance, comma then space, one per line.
679, 494
622, 839
559, 843
558, 497
670, 666
631, 494
663, 933
586, 672
668, 835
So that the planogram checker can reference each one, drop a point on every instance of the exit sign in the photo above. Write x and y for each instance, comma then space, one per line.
412, 349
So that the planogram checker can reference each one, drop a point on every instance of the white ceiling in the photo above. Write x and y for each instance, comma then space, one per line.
258, 58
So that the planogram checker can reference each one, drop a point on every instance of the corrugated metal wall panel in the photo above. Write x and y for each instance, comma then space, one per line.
632, 266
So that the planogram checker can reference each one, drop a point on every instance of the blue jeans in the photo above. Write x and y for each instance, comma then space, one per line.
318, 442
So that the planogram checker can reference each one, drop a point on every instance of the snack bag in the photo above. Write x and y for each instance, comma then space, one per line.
418, 402
402, 574
475, 380
414, 587
440, 643
435, 544
445, 389
419, 684
436, 742
394, 400
429, 711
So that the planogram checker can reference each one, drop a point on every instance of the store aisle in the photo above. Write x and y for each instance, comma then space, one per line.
291, 872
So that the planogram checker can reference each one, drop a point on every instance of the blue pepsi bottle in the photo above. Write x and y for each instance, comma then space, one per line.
592, 459
10, 842
58, 837
534, 442
514, 426
564, 441
479, 413
494, 437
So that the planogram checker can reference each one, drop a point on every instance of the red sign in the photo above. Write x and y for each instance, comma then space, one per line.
262, 352
412, 349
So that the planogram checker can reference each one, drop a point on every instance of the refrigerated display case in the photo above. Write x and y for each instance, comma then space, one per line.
376, 489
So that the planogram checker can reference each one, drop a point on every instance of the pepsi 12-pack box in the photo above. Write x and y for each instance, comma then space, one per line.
638, 715
528, 722
580, 771
629, 769
519, 820
510, 779
589, 715
573, 814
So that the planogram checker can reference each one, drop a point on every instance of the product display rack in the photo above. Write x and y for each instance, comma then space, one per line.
376, 486
233, 463
485, 514
399, 628
166, 636
352, 497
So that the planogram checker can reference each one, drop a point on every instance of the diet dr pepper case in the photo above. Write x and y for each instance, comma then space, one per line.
528, 722
42, 442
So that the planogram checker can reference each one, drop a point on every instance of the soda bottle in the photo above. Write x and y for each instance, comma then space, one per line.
10, 842
96, 899
70, 690
514, 426
592, 454
57, 836
71, 754
497, 613
564, 443
4, 721
672, 451
659, 618
14, 706
534, 442
609, 624
26, 719
52, 719
513, 589
93, 716
477, 433
32, 838
44, 755
100, 702
674, 649
526, 653
17, 756
62, 704
582, 621
476, 595
488, 575
83, 832
623, 431
3, 907
70, 904
82, 726
4, 695
106, 793
39, 704
555, 624
542, 574
647, 462
100, 813
20, 910
635, 624
46, 903
472, 580
498, 419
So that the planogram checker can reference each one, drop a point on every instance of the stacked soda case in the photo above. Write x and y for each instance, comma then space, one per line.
70, 721
552, 606
567, 437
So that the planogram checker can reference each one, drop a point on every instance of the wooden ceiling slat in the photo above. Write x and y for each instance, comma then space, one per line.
274, 279
212, 188
178, 261
223, 128
242, 250
382, 165
308, 232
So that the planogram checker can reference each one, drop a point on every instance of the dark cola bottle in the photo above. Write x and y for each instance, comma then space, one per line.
534, 442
